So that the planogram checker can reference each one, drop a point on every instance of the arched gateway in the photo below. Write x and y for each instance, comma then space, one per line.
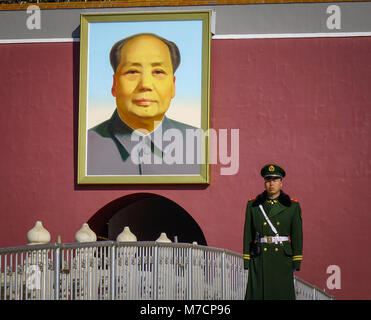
147, 215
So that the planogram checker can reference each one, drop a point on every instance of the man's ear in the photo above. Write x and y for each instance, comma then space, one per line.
173, 93
113, 89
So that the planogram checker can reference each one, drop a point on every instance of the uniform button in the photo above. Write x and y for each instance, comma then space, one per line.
265, 249
276, 249
278, 223
264, 224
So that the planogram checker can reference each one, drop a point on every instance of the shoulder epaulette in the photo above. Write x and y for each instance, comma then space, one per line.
251, 199
294, 200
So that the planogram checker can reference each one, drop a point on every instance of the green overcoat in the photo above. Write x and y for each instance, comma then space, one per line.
271, 271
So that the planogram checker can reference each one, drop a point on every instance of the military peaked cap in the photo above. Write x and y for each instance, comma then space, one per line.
272, 170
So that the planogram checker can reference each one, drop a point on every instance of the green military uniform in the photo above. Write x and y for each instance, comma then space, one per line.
271, 270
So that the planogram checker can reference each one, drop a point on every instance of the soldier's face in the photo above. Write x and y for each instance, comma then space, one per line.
144, 83
273, 186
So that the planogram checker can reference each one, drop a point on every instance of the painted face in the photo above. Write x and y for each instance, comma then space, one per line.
144, 83
273, 186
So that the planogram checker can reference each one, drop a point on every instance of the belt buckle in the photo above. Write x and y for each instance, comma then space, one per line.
269, 239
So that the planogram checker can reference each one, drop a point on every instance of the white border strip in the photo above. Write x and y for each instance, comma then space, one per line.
291, 35
219, 37
39, 40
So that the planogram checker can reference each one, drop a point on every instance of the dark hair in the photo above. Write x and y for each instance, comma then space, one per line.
115, 54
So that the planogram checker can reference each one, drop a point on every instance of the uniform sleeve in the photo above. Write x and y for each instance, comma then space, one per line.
297, 238
247, 237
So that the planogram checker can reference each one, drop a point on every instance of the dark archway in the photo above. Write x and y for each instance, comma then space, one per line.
147, 215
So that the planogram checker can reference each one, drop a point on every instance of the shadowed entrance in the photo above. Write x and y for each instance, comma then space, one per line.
147, 215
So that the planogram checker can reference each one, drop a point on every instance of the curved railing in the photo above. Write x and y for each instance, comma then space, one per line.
110, 270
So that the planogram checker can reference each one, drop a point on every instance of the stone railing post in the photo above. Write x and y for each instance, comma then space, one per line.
37, 267
85, 234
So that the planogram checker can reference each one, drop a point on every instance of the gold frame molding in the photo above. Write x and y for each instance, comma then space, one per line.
86, 19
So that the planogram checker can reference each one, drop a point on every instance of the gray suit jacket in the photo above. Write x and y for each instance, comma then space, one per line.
113, 149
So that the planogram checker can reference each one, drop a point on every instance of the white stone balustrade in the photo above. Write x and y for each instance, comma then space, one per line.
124, 269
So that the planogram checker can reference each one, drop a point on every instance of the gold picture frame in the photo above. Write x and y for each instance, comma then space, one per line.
98, 160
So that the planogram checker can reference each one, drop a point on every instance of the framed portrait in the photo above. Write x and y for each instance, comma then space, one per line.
144, 98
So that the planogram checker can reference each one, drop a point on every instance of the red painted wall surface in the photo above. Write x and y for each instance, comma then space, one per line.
303, 103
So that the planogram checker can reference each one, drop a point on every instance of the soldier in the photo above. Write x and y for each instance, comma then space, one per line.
273, 240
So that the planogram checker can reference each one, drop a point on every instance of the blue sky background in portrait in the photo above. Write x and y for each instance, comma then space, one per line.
186, 105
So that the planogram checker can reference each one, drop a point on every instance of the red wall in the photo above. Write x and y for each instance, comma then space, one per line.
303, 103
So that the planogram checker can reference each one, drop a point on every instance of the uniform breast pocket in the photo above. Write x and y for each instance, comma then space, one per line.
287, 248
